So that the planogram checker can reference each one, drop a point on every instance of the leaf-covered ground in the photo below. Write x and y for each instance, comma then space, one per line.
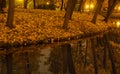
35, 25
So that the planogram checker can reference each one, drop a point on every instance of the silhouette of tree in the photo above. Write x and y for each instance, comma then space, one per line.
111, 5
62, 5
34, 4
98, 9
25, 4
2, 5
10, 14
81, 5
69, 11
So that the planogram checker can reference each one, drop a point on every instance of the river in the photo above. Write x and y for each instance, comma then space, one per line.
84, 56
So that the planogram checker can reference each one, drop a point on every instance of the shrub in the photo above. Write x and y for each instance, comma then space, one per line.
45, 6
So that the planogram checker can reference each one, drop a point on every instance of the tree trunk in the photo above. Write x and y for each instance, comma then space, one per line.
67, 14
80, 49
93, 41
111, 56
25, 4
69, 11
10, 17
110, 2
72, 9
65, 65
110, 9
62, 5
34, 4
2, 5
104, 57
80, 6
1, 9
27, 63
86, 53
68, 7
9, 63
112, 60
69, 61
98, 9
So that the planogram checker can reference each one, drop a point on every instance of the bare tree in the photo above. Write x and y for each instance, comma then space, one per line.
9, 63
81, 4
2, 5
93, 46
62, 2
10, 14
1, 9
68, 60
34, 4
25, 4
98, 9
111, 5
27, 63
69, 11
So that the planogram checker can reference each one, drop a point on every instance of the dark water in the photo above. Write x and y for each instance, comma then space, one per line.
50, 59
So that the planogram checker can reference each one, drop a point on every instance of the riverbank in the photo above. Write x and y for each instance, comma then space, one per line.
45, 26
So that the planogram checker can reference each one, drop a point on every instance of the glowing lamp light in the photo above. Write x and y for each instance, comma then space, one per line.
119, 8
87, 7
118, 24
92, 6
20, 0
48, 3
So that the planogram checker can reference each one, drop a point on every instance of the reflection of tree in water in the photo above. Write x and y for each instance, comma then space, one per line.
82, 57
60, 60
25, 60
100, 50
55, 60
2, 64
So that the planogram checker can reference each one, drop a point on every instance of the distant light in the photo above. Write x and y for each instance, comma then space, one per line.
119, 8
92, 6
118, 24
20, 0
115, 8
48, 3
87, 7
